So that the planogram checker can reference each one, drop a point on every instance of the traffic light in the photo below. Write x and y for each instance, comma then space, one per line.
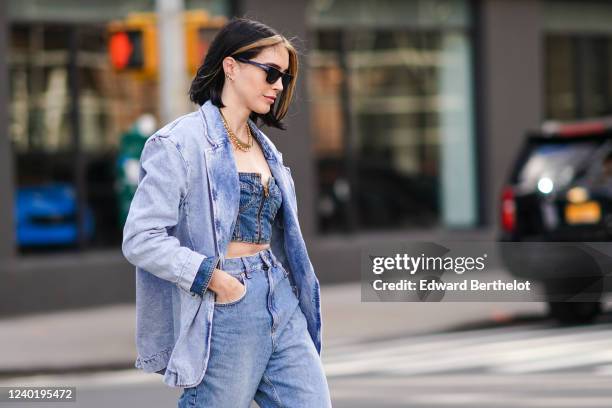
132, 43
126, 50
200, 29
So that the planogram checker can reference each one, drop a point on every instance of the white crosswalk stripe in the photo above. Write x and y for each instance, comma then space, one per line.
529, 348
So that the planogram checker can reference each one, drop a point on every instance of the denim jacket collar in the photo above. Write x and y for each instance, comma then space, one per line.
216, 133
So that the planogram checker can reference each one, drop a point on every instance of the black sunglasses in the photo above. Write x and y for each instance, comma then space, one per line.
272, 74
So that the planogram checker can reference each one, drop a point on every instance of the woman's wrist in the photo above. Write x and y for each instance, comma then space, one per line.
218, 280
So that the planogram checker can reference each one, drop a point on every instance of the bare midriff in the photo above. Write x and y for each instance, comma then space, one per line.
240, 249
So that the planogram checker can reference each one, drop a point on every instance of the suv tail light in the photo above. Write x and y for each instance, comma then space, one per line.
508, 209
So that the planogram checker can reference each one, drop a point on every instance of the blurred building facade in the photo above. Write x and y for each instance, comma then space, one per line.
411, 112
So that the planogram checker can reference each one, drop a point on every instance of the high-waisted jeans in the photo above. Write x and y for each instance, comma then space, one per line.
260, 347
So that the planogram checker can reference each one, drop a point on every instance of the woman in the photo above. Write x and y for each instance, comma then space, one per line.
227, 300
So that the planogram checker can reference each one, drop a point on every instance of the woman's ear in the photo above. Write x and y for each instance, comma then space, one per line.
229, 67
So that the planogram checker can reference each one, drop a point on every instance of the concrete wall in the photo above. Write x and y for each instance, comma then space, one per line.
65, 281
511, 62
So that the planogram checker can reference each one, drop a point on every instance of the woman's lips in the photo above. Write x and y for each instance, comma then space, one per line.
270, 99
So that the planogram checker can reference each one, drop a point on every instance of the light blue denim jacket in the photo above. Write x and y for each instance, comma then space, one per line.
180, 222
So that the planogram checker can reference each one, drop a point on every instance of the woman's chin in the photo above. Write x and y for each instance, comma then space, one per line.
262, 109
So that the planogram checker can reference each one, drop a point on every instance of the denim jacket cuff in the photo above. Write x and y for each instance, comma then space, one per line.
204, 274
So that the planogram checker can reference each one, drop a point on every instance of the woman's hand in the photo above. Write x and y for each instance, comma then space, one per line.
226, 287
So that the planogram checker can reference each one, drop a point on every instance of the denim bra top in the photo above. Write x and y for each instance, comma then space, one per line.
258, 207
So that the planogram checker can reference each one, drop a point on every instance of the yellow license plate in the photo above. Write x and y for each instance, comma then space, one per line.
583, 213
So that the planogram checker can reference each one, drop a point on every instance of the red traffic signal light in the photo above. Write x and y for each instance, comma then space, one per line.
125, 48
132, 44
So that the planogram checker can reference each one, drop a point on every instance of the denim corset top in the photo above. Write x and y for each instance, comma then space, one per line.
258, 207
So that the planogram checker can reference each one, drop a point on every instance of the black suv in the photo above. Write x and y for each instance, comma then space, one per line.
560, 190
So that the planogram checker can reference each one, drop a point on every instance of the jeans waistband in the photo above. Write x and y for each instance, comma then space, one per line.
250, 263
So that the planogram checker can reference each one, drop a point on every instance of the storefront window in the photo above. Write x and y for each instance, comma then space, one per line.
42, 132
578, 59
68, 113
392, 110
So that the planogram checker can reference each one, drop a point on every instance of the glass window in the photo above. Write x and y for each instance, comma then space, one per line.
392, 115
578, 59
578, 76
71, 122
50, 170
561, 163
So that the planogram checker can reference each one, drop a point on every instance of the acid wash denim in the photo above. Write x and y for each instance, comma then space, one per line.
183, 213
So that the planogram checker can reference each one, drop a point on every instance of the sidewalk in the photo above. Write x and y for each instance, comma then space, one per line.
103, 338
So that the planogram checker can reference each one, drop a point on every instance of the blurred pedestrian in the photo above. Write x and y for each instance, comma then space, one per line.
228, 304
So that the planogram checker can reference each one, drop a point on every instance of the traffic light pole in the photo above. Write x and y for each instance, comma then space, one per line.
173, 100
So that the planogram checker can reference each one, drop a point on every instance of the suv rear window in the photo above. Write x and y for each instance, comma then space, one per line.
561, 161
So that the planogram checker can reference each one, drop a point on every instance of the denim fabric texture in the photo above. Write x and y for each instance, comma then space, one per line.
204, 274
183, 213
260, 348
256, 214
257, 211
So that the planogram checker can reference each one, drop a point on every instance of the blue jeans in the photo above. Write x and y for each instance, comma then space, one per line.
260, 347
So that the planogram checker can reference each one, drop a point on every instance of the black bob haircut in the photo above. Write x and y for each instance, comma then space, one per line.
246, 38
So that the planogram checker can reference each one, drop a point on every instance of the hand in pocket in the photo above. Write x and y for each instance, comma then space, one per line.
233, 290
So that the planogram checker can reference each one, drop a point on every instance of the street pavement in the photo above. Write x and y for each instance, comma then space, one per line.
103, 337
375, 354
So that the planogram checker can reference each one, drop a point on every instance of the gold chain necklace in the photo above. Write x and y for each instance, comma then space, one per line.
245, 147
